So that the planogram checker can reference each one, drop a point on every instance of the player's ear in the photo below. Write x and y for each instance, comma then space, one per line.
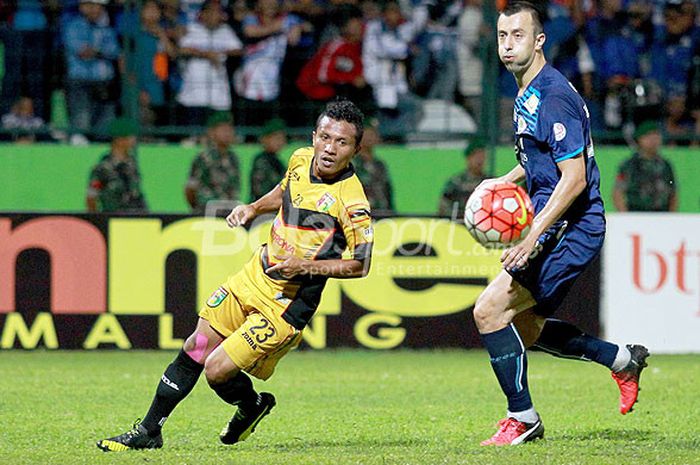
539, 41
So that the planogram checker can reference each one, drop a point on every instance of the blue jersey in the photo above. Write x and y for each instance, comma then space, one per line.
552, 124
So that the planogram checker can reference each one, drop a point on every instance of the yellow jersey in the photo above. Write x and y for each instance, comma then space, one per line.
318, 220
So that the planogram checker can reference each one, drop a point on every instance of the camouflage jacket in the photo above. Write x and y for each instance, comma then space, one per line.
116, 184
375, 180
648, 184
214, 177
456, 192
266, 173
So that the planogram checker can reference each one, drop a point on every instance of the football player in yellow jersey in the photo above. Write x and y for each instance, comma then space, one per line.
256, 316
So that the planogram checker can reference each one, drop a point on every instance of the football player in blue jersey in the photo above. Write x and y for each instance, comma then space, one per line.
555, 159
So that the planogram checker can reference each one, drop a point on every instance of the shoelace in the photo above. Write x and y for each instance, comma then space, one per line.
507, 424
134, 431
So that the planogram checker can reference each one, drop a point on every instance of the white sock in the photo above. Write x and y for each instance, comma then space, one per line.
622, 358
526, 416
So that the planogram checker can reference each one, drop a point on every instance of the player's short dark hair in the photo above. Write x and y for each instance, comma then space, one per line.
345, 110
535, 9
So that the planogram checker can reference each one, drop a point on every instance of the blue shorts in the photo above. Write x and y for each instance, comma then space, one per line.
561, 255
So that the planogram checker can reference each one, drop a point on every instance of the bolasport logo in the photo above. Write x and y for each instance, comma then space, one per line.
672, 268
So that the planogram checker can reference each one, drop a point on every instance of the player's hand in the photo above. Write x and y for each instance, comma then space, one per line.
240, 215
517, 256
486, 182
289, 267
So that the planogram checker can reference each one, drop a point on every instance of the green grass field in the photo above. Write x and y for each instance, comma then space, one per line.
348, 407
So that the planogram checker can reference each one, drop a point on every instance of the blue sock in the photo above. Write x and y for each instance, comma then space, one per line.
565, 340
509, 362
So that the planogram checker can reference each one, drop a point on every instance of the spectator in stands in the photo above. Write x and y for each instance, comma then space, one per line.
267, 34
215, 174
605, 34
471, 34
435, 71
22, 121
115, 182
678, 121
24, 37
312, 14
336, 69
645, 182
91, 49
267, 169
640, 28
460, 186
191, 10
147, 64
385, 51
173, 20
205, 48
673, 47
373, 173
694, 88
566, 48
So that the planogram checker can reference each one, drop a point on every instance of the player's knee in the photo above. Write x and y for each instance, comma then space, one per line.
190, 343
484, 312
197, 346
216, 371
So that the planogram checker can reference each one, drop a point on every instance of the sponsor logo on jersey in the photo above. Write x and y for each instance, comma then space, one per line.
281, 242
559, 131
217, 297
297, 200
532, 103
325, 202
368, 233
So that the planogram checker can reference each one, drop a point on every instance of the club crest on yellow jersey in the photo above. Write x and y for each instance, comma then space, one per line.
217, 297
325, 202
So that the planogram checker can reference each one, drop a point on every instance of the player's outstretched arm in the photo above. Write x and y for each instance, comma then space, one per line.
569, 187
243, 214
293, 266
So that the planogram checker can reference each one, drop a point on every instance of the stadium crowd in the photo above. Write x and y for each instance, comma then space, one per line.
174, 62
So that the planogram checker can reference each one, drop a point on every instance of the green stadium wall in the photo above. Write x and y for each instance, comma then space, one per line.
53, 178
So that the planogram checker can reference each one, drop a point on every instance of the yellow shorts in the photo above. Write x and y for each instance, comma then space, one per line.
247, 310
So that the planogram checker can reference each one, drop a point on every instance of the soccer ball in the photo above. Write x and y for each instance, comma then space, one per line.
499, 214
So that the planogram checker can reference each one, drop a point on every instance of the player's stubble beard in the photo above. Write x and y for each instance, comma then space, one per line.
520, 67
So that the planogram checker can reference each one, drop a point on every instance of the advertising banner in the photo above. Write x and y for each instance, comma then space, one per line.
94, 281
651, 291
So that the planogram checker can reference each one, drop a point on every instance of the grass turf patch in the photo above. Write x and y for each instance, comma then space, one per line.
348, 407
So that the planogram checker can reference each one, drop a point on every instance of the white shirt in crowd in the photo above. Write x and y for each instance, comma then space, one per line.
204, 83
383, 54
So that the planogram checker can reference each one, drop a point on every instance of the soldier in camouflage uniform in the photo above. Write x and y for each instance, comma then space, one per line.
215, 173
460, 187
267, 169
373, 173
115, 183
645, 182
